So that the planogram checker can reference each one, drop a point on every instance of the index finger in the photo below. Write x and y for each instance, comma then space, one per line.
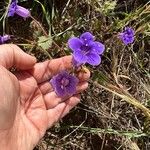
45, 70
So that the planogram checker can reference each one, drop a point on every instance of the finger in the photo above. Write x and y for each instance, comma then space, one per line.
28, 86
11, 55
84, 75
52, 100
46, 87
58, 112
44, 71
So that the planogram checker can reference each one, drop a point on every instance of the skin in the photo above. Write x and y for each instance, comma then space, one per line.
28, 104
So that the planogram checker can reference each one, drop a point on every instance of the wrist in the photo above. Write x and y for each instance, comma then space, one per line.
6, 141
11, 140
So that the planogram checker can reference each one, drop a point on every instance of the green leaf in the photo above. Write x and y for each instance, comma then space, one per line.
129, 134
44, 42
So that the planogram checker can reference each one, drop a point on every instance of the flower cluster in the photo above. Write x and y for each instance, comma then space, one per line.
127, 36
86, 50
19, 10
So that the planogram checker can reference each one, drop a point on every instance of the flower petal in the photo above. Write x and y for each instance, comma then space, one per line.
12, 9
75, 63
98, 47
4, 38
74, 43
1, 40
129, 31
71, 88
61, 92
127, 39
87, 37
127, 36
56, 84
79, 57
23, 12
93, 59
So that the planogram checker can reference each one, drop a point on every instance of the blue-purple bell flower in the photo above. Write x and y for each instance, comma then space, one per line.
127, 36
86, 50
19, 10
64, 84
4, 38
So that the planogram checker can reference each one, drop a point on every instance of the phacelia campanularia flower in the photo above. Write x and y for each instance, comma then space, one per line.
14, 8
86, 50
127, 36
4, 38
64, 84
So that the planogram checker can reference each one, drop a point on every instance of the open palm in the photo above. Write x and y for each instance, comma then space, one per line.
29, 105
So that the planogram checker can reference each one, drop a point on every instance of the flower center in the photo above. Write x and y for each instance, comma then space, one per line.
85, 48
64, 82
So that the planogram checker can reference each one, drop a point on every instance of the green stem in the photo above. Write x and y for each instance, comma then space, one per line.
111, 131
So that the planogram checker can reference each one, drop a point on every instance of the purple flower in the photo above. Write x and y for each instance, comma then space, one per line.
64, 84
86, 50
127, 36
4, 38
16, 9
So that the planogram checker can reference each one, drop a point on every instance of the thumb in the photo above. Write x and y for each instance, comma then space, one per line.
12, 56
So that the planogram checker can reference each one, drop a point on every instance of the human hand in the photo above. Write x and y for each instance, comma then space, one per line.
28, 104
